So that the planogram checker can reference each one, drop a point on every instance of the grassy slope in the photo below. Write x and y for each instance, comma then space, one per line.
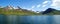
56, 12
16, 12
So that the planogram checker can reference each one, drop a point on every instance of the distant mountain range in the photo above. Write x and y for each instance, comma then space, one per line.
9, 10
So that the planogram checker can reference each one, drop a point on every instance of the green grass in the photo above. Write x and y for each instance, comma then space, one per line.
16, 12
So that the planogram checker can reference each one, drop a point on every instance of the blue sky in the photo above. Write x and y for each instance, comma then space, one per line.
35, 5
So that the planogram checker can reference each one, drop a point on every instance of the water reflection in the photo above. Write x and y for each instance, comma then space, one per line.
57, 19
14, 19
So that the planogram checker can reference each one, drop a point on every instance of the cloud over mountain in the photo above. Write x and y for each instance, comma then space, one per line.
56, 4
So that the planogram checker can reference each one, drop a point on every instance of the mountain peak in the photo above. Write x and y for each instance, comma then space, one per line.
9, 7
18, 7
48, 10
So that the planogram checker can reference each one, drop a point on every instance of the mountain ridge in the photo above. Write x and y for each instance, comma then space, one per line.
51, 11
19, 11
10, 10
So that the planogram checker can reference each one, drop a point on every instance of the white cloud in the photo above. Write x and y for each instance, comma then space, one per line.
38, 6
45, 2
44, 6
29, 9
33, 6
55, 4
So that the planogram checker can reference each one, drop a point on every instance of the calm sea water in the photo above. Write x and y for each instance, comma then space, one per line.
36, 19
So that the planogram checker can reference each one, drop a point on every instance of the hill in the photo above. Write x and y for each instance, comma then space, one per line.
10, 11
51, 11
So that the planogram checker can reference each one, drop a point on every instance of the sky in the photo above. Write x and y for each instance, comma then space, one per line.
34, 5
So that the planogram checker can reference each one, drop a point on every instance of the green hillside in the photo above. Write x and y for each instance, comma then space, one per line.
56, 12
17, 12
20, 11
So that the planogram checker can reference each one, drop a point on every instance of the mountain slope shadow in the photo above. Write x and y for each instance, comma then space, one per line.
48, 11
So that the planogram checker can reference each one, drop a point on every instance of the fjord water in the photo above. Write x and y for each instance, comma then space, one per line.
35, 19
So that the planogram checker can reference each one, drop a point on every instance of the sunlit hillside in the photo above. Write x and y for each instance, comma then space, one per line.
11, 11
